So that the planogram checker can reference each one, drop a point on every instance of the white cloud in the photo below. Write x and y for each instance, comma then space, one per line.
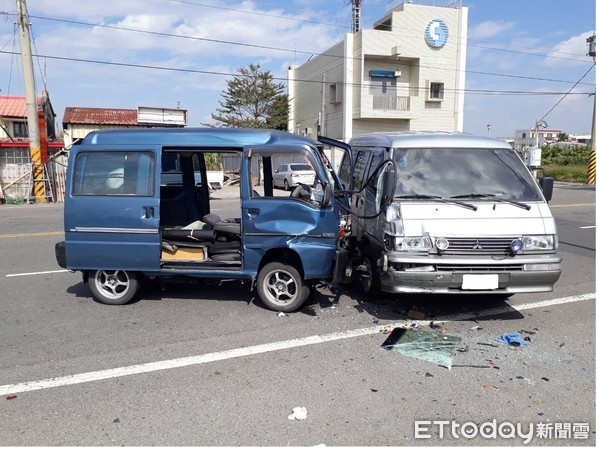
571, 51
489, 29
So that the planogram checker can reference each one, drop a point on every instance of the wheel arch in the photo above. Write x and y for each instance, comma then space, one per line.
284, 255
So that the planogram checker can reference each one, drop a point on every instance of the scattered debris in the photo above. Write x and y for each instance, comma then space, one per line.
527, 338
426, 345
281, 314
512, 339
11, 397
386, 330
540, 414
464, 348
562, 344
414, 314
298, 413
476, 328
528, 332
438, 326
536, 402
490, 386
117, 420
374, 390
428, 375
545, 378
490, 362
489, 345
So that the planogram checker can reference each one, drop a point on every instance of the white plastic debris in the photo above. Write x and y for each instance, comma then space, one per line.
298, 413
281, 314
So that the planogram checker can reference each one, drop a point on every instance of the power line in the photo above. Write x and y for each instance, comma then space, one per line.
277, 16
566, 94
228, 74
163, 34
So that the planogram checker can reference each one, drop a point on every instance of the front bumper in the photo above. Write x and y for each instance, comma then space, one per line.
519, 274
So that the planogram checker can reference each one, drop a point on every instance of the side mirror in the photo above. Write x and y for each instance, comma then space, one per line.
546, 184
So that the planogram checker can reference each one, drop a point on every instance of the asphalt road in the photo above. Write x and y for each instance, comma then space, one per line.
207, 365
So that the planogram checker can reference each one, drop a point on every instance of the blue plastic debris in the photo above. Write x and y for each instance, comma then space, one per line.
514, 339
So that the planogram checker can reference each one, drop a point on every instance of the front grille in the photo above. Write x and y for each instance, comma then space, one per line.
479, 268
479, 246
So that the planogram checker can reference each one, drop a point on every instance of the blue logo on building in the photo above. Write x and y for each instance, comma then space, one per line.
436, 33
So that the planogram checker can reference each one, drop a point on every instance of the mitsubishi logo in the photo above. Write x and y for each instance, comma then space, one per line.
477, 245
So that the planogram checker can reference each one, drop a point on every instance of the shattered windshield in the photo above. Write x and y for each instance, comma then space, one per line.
449, 172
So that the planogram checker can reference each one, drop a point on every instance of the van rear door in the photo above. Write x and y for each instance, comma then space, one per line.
111, 213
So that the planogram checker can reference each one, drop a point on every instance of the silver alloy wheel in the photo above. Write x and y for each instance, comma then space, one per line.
113, 284
280, 287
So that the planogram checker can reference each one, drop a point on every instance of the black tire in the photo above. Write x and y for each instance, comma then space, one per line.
281, 287
286, 185
369, 282
113, 287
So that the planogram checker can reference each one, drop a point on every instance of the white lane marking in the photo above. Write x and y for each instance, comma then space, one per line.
590, 226
34, 273
265, 348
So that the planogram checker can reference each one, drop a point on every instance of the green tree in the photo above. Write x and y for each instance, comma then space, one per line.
252, 100
562, 137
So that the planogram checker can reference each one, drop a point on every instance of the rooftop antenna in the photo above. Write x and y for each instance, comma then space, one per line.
356, 15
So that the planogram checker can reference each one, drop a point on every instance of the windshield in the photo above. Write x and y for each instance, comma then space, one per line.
448, 172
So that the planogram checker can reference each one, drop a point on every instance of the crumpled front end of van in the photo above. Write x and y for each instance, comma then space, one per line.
480, 253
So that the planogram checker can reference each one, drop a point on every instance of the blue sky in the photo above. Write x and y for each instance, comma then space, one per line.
534, 48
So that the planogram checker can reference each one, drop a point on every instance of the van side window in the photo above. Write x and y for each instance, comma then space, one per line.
359, 169
344, 173
376, 159
279, 175
114, 173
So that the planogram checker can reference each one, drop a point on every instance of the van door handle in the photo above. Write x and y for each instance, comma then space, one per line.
148, 212
252, 213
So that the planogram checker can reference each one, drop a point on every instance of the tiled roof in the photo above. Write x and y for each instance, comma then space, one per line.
13, 107
100, 116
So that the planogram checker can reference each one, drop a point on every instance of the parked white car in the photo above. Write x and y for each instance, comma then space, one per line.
288, 176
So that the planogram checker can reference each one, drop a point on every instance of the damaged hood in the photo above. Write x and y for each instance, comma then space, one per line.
490, 219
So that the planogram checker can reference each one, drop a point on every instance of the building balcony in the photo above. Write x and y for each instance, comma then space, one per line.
384, 107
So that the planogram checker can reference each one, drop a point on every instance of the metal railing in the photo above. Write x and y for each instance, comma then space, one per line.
391, 103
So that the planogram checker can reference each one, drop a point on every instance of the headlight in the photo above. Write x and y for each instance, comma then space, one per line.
538, 242
414, 244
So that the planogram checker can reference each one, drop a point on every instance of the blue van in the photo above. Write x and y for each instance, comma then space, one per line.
138, 206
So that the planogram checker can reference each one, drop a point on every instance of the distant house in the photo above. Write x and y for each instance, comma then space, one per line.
15, 155
13, 117
78, 122
526, 137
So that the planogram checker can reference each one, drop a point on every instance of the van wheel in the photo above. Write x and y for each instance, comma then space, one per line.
113, 287
286, 187
281, 287
369, 278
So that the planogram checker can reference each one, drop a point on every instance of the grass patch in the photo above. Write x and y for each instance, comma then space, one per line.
571, 173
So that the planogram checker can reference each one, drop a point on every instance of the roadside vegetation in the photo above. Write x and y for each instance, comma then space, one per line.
566, 164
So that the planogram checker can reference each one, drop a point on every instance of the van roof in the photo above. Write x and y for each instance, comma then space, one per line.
427, 139
219, 137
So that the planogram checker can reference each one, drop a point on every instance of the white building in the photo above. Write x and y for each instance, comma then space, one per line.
407, 73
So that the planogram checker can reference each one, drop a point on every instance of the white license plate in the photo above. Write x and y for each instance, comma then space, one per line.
479, 282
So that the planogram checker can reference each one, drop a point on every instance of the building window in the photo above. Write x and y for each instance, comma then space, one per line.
382, 86
335, 93
435, 91
20, 130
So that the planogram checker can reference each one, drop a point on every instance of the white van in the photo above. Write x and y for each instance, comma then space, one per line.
467, 216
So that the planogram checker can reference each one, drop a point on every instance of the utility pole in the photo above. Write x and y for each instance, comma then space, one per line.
591, 170
31, 102
356, 16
